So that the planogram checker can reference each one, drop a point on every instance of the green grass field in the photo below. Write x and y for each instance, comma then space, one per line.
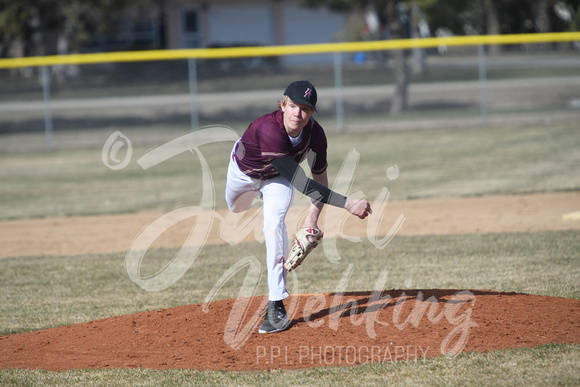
44, 292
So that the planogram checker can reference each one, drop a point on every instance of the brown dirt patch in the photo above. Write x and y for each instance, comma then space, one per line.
112, 233
415, 325
327, 329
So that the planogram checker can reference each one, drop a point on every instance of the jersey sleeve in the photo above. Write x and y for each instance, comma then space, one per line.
318, 162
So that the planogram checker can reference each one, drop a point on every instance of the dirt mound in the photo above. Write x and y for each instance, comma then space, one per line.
339, 329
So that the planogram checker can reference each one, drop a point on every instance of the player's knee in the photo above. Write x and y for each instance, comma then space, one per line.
274, 224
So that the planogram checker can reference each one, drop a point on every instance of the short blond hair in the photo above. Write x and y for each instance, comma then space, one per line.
284, 102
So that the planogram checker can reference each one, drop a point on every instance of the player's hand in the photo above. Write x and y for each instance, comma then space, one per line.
358, 207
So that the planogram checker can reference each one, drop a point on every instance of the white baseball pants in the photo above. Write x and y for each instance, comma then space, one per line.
277, 196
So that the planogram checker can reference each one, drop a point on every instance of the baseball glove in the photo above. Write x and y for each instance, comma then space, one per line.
305, 241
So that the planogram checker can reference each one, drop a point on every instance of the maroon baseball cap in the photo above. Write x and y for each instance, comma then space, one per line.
302, 92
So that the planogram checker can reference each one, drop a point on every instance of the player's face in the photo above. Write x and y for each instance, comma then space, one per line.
296, 116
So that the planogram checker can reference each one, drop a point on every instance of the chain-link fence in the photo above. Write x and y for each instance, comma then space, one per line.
77, 136
77, 104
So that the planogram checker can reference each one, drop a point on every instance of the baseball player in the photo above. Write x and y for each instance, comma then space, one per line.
264, 163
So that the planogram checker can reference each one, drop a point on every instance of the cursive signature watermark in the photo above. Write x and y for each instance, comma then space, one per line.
234, 228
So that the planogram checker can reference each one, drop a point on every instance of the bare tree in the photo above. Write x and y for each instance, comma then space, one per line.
395, 16
491, 23
398, 15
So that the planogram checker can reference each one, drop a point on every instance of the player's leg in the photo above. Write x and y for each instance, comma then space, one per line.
277, 195
241, 190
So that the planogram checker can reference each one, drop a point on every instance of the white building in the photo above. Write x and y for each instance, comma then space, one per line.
199, 23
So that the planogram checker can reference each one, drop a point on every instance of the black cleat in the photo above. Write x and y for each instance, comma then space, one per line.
276, 319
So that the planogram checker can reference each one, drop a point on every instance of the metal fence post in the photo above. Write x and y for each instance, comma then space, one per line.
45, 73
194, 112
339, 104
482, 84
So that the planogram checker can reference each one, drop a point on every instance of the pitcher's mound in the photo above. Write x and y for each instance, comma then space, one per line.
338, 329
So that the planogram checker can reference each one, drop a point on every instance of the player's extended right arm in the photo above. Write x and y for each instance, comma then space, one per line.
291, 171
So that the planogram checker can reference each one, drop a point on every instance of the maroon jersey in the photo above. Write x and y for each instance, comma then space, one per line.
266, 139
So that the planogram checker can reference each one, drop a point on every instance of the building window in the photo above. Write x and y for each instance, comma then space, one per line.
190, 31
